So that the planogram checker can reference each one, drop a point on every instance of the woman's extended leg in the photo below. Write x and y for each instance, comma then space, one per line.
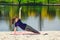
29, 28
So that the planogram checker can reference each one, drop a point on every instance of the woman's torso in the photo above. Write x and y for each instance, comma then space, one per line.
20, 24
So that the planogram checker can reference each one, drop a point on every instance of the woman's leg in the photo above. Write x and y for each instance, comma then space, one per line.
29, 28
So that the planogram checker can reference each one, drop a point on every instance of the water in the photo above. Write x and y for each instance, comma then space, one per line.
51, 25
48, 21
4, 26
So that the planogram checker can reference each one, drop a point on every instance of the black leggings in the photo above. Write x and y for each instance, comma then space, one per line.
29, 28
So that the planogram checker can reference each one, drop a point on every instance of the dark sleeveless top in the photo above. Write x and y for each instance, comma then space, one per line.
20, 24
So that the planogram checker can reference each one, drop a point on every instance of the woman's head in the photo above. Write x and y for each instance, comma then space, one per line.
15, 19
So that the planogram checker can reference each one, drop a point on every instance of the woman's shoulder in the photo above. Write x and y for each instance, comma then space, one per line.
19, 19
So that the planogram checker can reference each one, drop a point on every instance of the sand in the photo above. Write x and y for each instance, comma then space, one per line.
45, 35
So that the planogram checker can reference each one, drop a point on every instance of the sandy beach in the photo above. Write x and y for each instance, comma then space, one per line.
45, 35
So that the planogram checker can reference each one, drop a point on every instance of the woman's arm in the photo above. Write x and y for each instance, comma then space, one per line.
14, 30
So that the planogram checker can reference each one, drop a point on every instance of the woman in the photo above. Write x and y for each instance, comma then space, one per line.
23, 26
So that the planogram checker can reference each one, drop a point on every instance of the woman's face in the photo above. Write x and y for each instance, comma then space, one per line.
16, 19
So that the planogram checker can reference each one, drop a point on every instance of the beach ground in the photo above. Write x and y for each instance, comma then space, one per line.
45, 35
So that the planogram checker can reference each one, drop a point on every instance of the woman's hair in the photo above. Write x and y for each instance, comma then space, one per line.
13, 19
